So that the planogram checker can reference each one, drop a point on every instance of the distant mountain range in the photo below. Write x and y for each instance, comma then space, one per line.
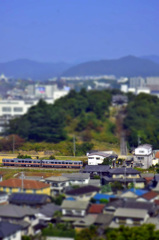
129, 66
24, 68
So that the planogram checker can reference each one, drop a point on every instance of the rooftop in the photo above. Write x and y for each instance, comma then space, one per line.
123, 170
96, 208
96, 168
76, 176
28, 198
80, 205
27, 184
14, 211
149, 195
7, 229
128, 212
83, 190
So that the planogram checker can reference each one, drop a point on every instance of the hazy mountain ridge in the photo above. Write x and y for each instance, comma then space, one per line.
129, 66
24, 68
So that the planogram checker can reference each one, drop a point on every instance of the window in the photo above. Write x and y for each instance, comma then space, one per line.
6, 109
18, 109
140, 158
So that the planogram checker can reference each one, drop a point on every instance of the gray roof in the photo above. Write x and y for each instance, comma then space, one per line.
7, 229
140, 205
83, 190
128, 212
49, 209
14, 211
76, 176
123, 170
115, 204
86, 221
56, 179
80, 205
104, 219
96, 168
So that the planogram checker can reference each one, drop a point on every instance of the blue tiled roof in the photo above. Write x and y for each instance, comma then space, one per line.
70, 199
100, 196
138, 192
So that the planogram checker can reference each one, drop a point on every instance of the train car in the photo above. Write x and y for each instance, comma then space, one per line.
16, 162
62, 164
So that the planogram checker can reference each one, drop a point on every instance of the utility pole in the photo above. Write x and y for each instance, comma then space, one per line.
22, 176
125, 176
74, 146
13, 143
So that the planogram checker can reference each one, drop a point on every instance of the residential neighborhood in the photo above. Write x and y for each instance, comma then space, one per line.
101, 195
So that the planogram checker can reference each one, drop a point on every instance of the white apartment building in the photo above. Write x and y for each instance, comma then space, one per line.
143, 156
16, 108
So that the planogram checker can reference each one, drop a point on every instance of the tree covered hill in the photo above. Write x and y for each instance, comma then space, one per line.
142, 120
85, 114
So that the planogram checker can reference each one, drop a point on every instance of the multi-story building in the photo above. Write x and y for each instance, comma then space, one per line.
143, 156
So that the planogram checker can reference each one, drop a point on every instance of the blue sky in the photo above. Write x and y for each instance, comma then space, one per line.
78, 30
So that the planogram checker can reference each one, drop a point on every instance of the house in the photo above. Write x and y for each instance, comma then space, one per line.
85, 222
126, 182
124, 173
96, 208
113, 205
22, 185
149, 206
10, 231
133, 193
150, 196
46, 212
29, 199
20, 215
102, 222
98, 157
77, 178
57, 184
127, 216
84, 193
74, 208
143, 155
101, 170
100, 197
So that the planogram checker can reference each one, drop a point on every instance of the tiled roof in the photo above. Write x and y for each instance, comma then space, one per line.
96, 168
28, 198
27, 184
83, 190
96, 208
14, 211
149, 195
7, 229
80, 205
123, 170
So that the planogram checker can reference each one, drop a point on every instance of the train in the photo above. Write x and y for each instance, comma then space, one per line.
17, 162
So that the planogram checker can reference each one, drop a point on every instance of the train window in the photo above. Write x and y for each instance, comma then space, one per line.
70, 163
